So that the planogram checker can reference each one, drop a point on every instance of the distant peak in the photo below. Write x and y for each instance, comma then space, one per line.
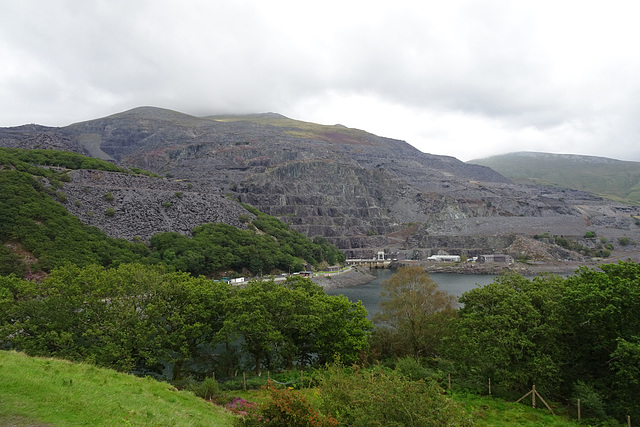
152, 113
271, 115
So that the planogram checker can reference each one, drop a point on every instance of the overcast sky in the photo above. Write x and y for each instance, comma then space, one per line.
467, 79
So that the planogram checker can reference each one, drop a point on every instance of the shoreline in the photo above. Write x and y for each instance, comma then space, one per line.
362, 275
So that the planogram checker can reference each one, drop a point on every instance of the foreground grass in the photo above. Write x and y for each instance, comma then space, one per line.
494, 412
54, 392
486, 411
38, 391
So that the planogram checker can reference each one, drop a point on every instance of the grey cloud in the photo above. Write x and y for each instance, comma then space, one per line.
498, 65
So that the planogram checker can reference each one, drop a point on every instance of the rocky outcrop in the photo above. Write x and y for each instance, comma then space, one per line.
354, 277
135, 207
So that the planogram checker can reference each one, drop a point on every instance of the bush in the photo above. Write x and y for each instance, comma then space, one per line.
61, 197
286, 408
207, 389
382, 397
591, 402
411, 368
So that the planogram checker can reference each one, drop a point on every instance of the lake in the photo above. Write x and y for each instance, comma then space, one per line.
369, 294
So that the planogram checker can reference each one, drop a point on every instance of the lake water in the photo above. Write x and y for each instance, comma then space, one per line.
369, 294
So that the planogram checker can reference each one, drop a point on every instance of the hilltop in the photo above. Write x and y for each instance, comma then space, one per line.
613, 179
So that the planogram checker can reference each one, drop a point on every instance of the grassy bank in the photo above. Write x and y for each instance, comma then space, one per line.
48, 392
37, 391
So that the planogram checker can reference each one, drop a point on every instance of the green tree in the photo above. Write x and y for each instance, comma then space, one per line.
249, 318
132, 317
416, 312
296, 321
343, 329
510, 330
602, 331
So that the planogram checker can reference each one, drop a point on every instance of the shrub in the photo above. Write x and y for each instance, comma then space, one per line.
110, 212
411, 368
383, 397
109, 196
207, 389
591, 402
624, 241
286, 407
242, 407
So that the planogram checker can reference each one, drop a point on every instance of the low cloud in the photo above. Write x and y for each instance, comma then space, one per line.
459, 78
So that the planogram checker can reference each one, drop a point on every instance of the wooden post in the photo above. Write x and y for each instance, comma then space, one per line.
268, 376
545, 403
533, 394
579, 414
244, 381
489, 386
533, 397
628, 421
301, 378
449, 376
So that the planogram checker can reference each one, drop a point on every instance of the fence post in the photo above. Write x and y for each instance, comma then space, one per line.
489, 386
579, 414
533, 397
244, 381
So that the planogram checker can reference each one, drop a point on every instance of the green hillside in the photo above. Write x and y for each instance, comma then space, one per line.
37, 391
613, 179
38, 234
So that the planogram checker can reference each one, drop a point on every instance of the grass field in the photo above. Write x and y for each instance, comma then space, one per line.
48, 392
36, 391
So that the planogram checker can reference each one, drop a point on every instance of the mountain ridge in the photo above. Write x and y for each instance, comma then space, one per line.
617, 180
358, 190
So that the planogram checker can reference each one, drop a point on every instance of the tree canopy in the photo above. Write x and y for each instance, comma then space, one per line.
415, 312
574, 338
147, 319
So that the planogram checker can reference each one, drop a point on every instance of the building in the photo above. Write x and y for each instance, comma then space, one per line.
501, 258
444, 258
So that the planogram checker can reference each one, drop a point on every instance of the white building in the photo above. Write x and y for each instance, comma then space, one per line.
444, 258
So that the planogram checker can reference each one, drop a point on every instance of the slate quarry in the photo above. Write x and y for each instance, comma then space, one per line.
362, 192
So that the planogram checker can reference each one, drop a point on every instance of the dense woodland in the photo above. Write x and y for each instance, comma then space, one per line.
156, 310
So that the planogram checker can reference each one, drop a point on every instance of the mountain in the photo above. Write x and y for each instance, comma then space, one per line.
613, 179
360, 191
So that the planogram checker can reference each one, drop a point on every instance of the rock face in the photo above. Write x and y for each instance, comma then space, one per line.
362, 192
137, 207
